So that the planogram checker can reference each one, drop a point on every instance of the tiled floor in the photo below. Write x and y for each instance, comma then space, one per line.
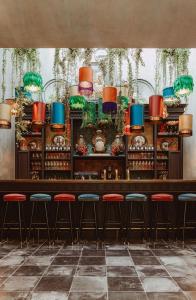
98, 272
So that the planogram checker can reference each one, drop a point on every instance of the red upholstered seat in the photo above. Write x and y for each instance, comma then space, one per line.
113, 197
14, 197
65, 197
162, 197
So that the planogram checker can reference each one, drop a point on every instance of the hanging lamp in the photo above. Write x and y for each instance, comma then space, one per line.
183, 85
169, 96
185, 125
127, 122
137, 116
155, 107
32, 82
39, 113
85, 86
5, 116
58, 115
109, 99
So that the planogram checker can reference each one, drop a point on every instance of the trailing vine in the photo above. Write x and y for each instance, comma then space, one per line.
4, 64
87, 55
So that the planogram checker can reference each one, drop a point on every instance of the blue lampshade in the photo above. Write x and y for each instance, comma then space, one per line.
58, 115
109, 107
169, 96
137, 116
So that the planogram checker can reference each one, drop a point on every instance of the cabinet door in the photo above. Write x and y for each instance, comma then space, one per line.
22, 165
175, 165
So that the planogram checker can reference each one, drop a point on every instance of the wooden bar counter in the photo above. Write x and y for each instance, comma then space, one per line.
98, 186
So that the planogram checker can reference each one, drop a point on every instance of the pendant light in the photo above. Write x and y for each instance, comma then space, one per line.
185, 125
127, 121
137, 116
85, 86
32, 82
39, 113
109, 99
5, 116
155, 107
183, 85
58, 115
169, 96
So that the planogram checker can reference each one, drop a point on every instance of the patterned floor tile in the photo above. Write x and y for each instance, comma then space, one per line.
159, 284
145, 260
61, 271
148, 271
186, 283
14, 296
20, 283
91, 271
49, 296
59, 284
119, 261
88, 296
166, 296
127, 296
30, 271
124, 284
121, 271
65, 260
89, 284
85, 260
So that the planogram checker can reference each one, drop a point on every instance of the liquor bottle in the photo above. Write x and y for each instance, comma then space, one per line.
109, 175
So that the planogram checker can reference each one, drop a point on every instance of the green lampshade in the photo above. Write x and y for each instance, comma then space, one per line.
183, 85
32, 82
77, 102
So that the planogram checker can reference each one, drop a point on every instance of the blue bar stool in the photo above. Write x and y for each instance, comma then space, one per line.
136, 203
39, 201
187, 199
88, 201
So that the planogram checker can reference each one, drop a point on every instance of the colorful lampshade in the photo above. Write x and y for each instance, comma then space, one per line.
32, 82
109, 99
39, 113
85, 86
127, 122
137, 116
5, 116
58, 115
169, 96
155, 107
14, 106
183, 85
77, 102
185, 125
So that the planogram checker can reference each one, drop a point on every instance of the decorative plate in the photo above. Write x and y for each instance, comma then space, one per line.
145, 90
139, 141
59, 140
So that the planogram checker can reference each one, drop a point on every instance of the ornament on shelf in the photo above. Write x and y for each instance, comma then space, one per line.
81, 147
118, 145
99, 142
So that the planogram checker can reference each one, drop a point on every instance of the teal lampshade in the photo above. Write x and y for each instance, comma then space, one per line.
58, 115
32, 82
183, 85
169, 96
137, 116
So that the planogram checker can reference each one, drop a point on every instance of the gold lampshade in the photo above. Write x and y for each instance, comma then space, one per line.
5, 116
185, 125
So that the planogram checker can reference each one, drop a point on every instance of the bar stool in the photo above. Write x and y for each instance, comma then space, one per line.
139, 202
39, 201
112, 201
64, 200
13, 199
88, 201
187, 199
159, 200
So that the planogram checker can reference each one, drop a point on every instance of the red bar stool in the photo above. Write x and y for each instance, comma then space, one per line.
66, 201
112, 201
11, 199
162, 200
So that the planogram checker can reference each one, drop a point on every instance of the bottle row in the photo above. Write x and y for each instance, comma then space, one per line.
58, 155
142, 155
57, 165
141, 165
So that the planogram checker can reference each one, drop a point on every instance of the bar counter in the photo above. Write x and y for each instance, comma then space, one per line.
98, 186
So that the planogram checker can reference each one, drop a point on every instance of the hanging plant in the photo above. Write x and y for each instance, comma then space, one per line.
89, 115
119, 118
72, 55
24, 60
102, 63
103, 119
111, 64
129, 77
157, 72
56, 71
87, 55
4, 64
124, 102
137, 55
120, 53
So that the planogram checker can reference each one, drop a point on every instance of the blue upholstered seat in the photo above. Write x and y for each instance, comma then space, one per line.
136, 197
40, 197
88, 197
187, 197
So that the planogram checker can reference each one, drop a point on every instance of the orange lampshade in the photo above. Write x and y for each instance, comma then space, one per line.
5, 115
155, 107
109, 94
39, 113
85, 87
127, 121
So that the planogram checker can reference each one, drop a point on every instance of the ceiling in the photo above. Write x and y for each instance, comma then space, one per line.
98, 23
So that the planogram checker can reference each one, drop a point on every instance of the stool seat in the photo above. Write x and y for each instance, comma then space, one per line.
187, 197
162, 197
136, 197
40, 197
88, 197
65, 197
113, 197
14, 197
